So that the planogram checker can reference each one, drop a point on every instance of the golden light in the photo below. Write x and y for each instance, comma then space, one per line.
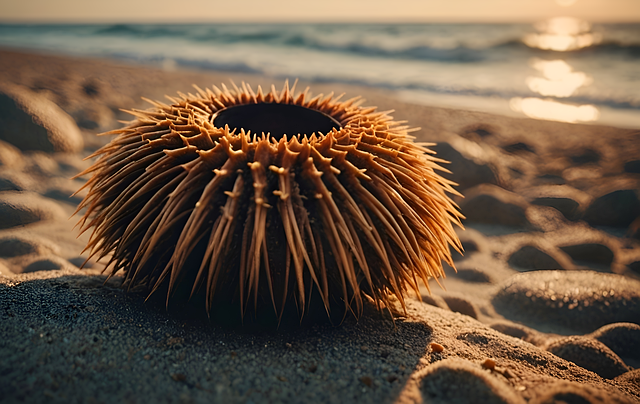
565, 3
555, 111
562, 34
559, 78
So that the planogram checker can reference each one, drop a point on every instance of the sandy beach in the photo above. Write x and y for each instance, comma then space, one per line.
544, 306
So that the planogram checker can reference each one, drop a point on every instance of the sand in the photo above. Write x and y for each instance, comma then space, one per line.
544, 308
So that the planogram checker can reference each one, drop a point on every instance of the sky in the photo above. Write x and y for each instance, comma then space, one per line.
182, 11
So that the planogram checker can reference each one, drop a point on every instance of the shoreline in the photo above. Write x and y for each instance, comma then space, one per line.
614, 117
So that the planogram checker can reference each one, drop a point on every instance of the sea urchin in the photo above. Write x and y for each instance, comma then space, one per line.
260, 199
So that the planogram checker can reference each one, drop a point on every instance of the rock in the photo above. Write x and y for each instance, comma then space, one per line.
4, 270
578, 393
568, 301
466, 171
81, 262
590, 354
435, 300
22, 208
632, 166
441, 382
520, 331
29, 121
7, 185
491, 204
568, 207
10, 156
590, 252
531, 258
621, 338
617, 208
15, 245
512, 329
472, 275
41, 164
517, 148
586, 157
461, 305
47, 263
15, 181
94, 117
551, 179
570, 201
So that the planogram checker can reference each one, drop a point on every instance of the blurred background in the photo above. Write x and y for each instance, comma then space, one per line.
562, 60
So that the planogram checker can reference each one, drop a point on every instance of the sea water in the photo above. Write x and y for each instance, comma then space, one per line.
561, 69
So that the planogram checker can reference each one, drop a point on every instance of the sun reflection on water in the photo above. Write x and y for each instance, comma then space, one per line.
559, 80
562, 34
555, 111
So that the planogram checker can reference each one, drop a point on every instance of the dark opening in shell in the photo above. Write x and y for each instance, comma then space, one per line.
275, 119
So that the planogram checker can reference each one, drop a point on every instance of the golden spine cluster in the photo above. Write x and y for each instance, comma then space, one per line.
240, 215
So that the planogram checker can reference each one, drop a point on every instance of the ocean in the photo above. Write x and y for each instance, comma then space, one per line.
562, 69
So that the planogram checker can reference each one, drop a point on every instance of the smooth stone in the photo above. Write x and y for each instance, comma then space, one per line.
551, 179
63, 196
520, 331
586, 157
565, 392
569, 201
4, 270
442, 381
30, 121
11, 180
617, 208
6, 184
466, 171
15, 245
10, 156
568, 301
461, 305
48, 263
472, 275
632, 166
568, 207
435, 300
621, 338
22, 208
491, 204
81, 262
529, 258
590, 252
518, 148
590, 354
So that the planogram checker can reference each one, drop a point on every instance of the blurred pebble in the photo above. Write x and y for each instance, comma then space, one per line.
590, 354
41, 123
581, 301
441, 382
22, 208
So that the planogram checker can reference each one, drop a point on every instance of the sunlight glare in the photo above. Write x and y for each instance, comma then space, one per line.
555, 111
562, 34
559, 78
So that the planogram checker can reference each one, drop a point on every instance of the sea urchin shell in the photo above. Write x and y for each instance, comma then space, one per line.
261, 198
